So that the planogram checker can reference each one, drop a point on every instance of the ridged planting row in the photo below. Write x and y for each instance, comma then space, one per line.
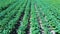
34, 25
10, 19
9, 15
43, 17
44, 24
10, 8
50, 15
24, 21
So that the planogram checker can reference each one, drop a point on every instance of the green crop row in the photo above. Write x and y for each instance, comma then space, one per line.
50, 15
34, 25
9, 17
38, 16
24, 21
2, 14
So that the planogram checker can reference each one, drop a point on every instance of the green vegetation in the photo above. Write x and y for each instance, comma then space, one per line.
29, 16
